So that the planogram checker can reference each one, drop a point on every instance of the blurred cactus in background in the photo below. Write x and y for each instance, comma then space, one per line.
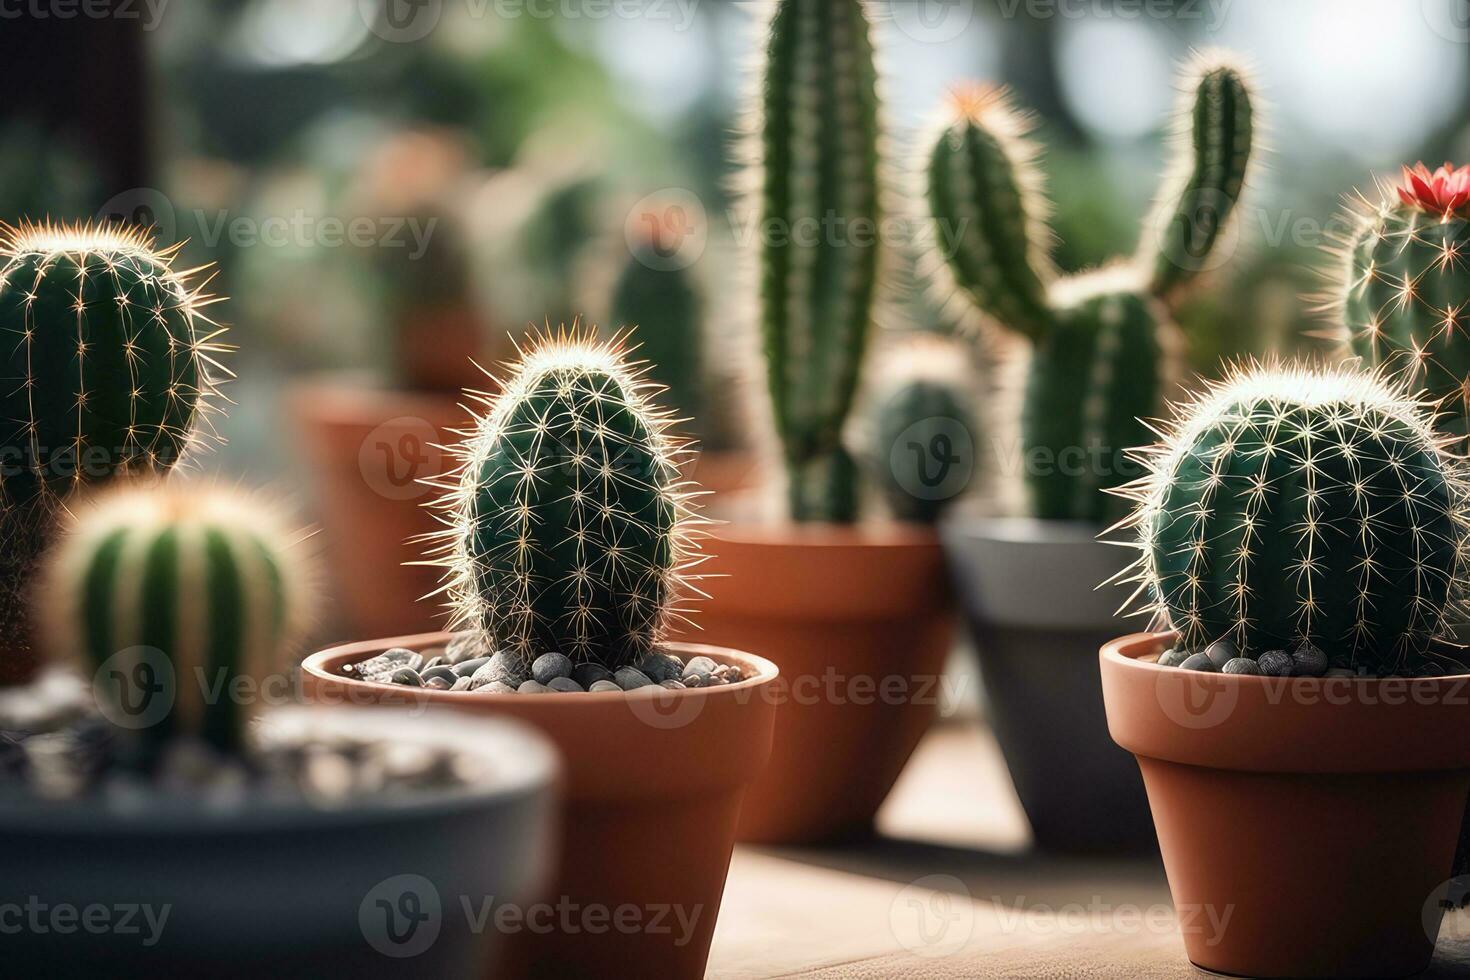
566, 523
923, 428
1404, 290
113, 363
660, 303
173, 592
1105, 350
819, 192
1290, 505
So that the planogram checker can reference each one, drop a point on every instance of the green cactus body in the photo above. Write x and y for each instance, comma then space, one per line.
566, 519
661, 304
1105, 349
1406, 295
175, 593
1291, 505
819, 256
924, 430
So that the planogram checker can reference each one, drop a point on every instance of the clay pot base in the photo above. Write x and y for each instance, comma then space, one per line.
653, 786
1322, 812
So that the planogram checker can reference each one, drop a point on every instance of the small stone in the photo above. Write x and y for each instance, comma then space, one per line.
1309, 661
589, 673
514, 673
702, 665
407, 676
381, 667
1276, 663
1172, 657
1241, 665
551, 665
463, 684
598, 687
565, 685
1221, 652
696, 678
467, 668
631, 678
660, 667
532, 686
437, 683
1200, 661
672, 685
734, 674
489, 673
443, 672
497, 687
431, 663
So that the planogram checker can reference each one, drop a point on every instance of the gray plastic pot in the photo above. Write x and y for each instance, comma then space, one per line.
1029, 591
375, 888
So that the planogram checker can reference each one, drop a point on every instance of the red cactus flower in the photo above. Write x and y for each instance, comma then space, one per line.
1442, 192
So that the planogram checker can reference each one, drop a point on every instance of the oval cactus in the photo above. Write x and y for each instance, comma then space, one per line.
1105, 351
659, 301
567, 525
169, 595
1290, 505
924, 429
819, 193
1405, 290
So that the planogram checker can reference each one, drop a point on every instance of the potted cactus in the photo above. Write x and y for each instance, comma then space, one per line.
1302, 536
567, 544
1100, 354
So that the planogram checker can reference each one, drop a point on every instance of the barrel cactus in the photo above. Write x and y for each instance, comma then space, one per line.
113, 364
1105, 352
566, 522
817, 148
923, 428
1405, 285
1318, 506
171, 594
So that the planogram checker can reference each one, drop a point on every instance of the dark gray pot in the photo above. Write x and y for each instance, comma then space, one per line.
275, 889
1030, 594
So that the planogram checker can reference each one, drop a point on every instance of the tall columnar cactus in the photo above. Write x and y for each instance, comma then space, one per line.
923, 429
1405, 286
1290, 504
660, 302
110, 367
567, 526
168, 596
819, 192
1104, 346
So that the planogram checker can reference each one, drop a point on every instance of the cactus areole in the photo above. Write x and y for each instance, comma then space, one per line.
1292, 505
567, 525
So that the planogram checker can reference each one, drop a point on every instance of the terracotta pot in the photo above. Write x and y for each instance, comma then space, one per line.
1030, 593
859, 621
1307, 824
368, 447
276, 888
653, 786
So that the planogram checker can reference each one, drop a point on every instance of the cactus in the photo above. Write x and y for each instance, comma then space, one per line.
819, 193
175, 591
1105, 350
923, 429
566, 524
112, 364
660, 302
1405, 286
1290, 504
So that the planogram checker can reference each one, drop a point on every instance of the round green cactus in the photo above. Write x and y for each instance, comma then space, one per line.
1105, 349
1405, 290
1291, 505
170, 594
567, 524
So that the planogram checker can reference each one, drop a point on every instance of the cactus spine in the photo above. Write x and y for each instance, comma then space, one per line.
924, 429
819, 256
567, 526
1105, 350
176, 591
662, 305
1289, 504
1405, 290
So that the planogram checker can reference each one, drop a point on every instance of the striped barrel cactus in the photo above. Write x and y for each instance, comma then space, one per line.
170, 594
1319, 506
817, 147
566, 522
1404, 293
1105, 351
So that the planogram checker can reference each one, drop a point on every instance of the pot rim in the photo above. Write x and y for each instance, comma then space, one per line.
1255, 723
522, 759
